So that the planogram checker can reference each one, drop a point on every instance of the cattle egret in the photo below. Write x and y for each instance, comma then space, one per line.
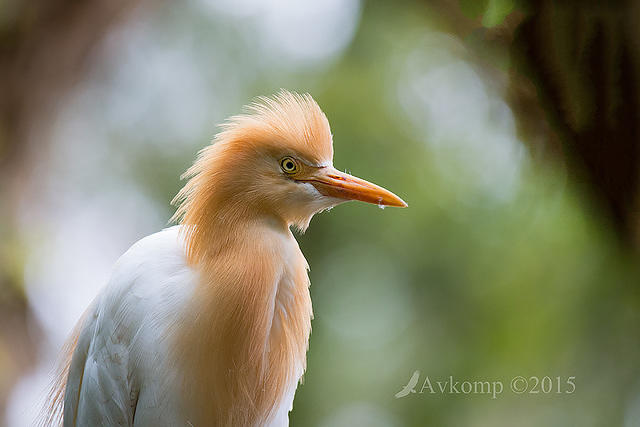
207, 323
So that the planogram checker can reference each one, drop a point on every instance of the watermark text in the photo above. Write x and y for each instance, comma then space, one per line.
425, 385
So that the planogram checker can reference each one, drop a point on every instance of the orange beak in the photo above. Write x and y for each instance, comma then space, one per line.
333, 183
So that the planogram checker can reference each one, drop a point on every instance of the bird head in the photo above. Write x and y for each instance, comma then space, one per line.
276, 160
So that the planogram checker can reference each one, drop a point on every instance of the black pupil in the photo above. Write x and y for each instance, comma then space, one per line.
288, 165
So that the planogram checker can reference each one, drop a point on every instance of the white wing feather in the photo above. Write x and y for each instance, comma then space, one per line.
120, 374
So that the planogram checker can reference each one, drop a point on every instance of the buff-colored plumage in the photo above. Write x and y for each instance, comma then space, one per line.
285, 123
207, 323
265, 343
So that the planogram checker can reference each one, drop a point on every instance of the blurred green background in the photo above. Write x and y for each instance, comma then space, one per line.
513, 258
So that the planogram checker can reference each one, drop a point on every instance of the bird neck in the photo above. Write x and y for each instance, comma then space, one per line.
245, 334
226, 220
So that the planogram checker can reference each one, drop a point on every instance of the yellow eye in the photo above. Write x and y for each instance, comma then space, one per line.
289, 165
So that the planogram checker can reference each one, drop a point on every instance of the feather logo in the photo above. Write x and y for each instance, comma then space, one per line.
410, 387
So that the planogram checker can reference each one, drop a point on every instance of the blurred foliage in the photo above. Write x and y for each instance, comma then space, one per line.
470, 287
17, 343
44, 49
501, 266
493, 11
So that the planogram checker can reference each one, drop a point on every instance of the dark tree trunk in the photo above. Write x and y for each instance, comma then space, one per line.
583, 60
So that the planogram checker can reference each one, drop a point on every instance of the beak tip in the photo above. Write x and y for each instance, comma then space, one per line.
398, 202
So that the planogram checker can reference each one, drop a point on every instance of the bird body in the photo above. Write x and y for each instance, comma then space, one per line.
124, 370
207, 323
